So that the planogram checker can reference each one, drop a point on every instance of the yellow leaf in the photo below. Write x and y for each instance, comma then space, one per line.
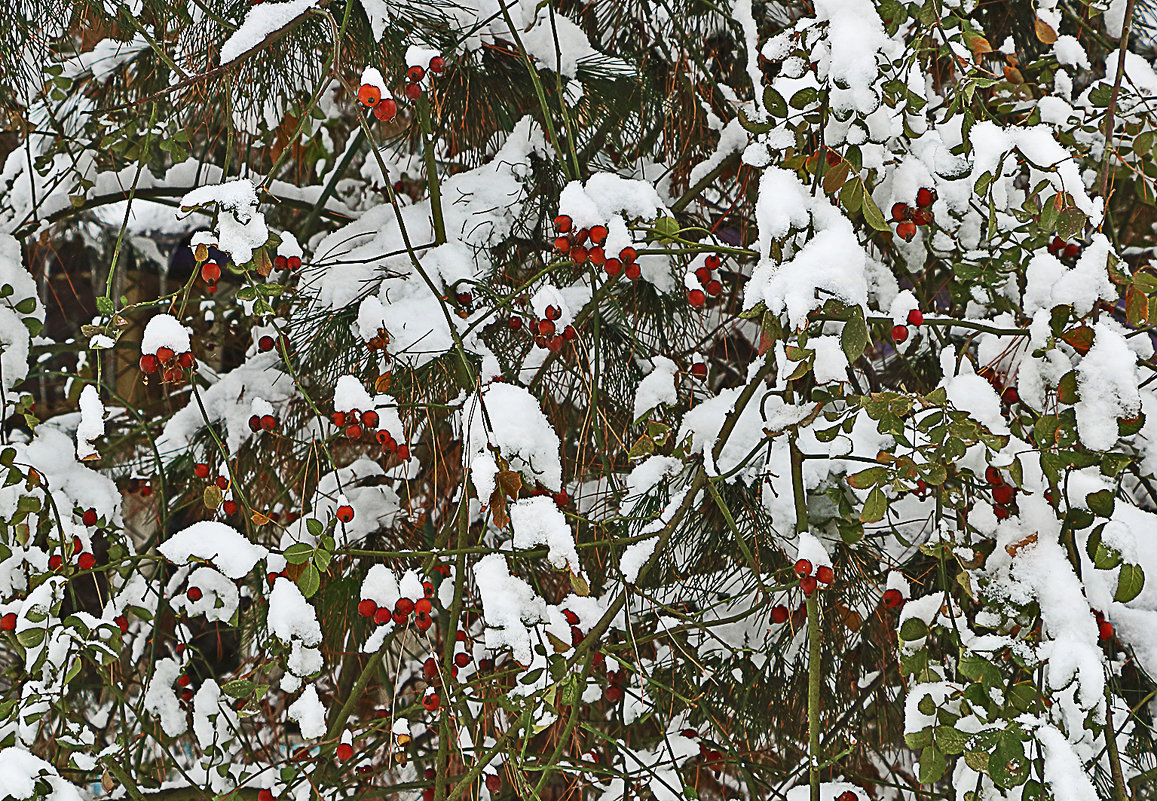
259, 519
1044, 31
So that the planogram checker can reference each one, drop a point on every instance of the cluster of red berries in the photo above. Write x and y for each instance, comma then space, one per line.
267, 343
171, 365
85, 560
900, 332
183, 681
616, 679
416, 73
385, 108
907, 217
546, 333
1104, 627
262, 422
288, 262
356, 423
402, 610
1068, 251
201, 470
711, 285
1008, 393
1003, 494
586, 245
809, 581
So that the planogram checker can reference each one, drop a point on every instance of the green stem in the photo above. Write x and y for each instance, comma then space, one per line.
432, 185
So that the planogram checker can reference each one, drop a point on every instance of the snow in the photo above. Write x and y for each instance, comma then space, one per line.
166, 331
161, 700
349, 395
240, 226
262, 20
1107, 383
509, 418
538, 521
635, 556
508, 605
290, 616
215, 542
20, 771
307, 711
657, 387
831, 363
856, 39
91, 426
372, 77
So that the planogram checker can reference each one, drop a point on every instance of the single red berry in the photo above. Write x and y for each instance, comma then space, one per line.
553, 312
515, 323
1072, 250
633, 271
613, 694
808, 585
338, 419
149, 364
369, 95
462, 659
612, 267
924, 197
699, 370
423, 606
703, 274
280, 263
580, 236
86, 561
597, 256
416, 73
413, 91
165, 354
384, 111
210, 272
265, 344
578, 254
265, 795
900, 212
993, 476
628, 255
802, 567
899, 333
353, 432
493, 783
1002, 512
571, 618
598, 234
906, 230
89, 517
8, 622
370, 419
923, 216
569, 333
825, 575
403, 452
562, 244
712, 262
194, 594
404, 606
696, 298
383, 615
779, 614
714, 288
464, 298
254, 423
437, 65
893, 598
268, 422
229, 507
344, 752
122, 623
848, 795
423, 621
55, 561
431, 701
562, 224
1105, 630
546, 328
1010, 395
201, 470
367, 607
345, 513
222, 482
915, 317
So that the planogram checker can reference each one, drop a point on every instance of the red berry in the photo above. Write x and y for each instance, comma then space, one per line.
268, 422
1010, 395
696, 298
464, 298
779, 614
430, 668
413, 91
1072, 250
597, 256
546, 328
924, 197
86, 561
89, 517
423, 606
280, 263
194, 594
367, 607
210, 272
628, 255
825, 575
122, 623
462, 659
613, 694
569, 333
344, 752
345, 513
1002, 512
633, 271
403, 452
265, 795
561, 498
900, 212
415, 73
562, 224
915, 317
893, 598
369, 95
1104, 629
562, 244
265, 344
338, 419
55, 561
437, 65
553, 312
992, 476
165, 354
598, 234
578, 254
848, 795
1004, 493
923, 216
254, 423
383, 615
906, 230
515, 323
370, 419
493, 783
712, 262
1056, 246
404, 606
808, 585
699, 370
899, 333
353, 432
229, 507
571, 618
613, 267
423, 621
431, 701
802, 567
714, 288
703, 274
222, 482
384, 111
8, 622
149, 364
580, 236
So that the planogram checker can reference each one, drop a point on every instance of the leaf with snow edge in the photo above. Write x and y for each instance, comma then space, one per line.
215, 542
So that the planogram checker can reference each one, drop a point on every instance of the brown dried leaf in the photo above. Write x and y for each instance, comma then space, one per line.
1016, 547
1044, 31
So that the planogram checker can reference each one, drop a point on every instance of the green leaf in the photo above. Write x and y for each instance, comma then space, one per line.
1101, 95
913, 629
105, 306
309, 581
26, 306
867, 478
1071, 222
919, 739
932, 765
238, 688
951, 740
872, 214
875, 507
854, 337
774, 103
298, 553
1100, 503
30, 638
314, 526
1130, 582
